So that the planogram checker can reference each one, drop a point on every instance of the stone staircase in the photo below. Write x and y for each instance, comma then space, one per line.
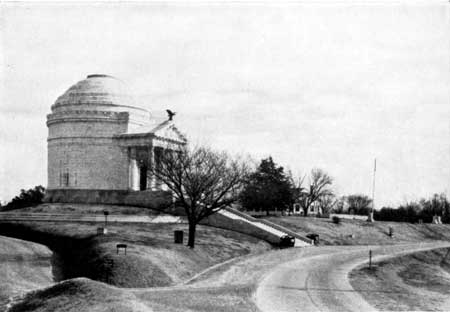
235, 220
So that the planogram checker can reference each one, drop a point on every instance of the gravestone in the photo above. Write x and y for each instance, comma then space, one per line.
102, 231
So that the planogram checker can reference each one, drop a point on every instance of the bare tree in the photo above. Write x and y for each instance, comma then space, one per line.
327, 203
359, 204
319, 186
203, 181
298, 190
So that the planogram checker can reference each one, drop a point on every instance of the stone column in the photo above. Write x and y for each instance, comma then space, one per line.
134, 170
150, 163
156, 161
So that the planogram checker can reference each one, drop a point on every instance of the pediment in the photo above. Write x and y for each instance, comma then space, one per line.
169, 132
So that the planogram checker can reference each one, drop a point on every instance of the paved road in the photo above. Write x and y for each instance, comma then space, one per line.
320, 282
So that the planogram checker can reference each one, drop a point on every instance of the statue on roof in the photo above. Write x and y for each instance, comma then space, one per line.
170, 113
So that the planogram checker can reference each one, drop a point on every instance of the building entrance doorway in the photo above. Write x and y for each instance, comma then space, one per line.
143, 178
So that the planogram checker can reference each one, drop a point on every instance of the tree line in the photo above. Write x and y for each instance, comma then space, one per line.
422, 210
270, 187
26, 198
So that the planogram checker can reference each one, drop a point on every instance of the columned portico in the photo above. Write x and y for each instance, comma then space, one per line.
141, 160
144, 152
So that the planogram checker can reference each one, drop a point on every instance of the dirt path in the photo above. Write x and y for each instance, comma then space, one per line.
24, 266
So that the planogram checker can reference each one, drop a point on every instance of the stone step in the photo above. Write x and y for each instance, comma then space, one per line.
238, 215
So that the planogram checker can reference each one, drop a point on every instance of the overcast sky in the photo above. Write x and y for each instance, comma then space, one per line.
326, 85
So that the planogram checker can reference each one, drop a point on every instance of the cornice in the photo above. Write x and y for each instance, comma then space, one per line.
89, 116
88, 112
107, 103
85, 140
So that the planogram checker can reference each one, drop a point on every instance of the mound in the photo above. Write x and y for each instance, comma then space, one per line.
79, 295
414, 282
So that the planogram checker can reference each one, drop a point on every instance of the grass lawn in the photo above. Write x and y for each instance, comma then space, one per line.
152, 258
82, 294
357, 232
24, 266
416, 282
77, 295
229, 288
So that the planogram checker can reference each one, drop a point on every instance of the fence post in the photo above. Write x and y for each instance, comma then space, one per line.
370, 258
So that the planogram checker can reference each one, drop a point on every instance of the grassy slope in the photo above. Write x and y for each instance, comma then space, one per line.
24, 266
231, 291
230, 288
227, 289
419, 281
152, 259
80, 294
363, 232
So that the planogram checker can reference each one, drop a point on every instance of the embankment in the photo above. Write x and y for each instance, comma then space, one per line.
413, 282
358, 232
151, 260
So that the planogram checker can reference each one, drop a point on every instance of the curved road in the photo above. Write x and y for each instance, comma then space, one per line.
320, 282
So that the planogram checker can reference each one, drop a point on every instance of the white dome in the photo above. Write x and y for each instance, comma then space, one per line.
96, 90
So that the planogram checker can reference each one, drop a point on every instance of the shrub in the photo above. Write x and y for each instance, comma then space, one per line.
31, 197
336, 220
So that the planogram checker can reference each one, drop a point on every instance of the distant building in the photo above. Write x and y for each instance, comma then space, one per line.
313, 210
101, 146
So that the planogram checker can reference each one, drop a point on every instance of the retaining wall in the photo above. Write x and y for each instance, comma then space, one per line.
148, 199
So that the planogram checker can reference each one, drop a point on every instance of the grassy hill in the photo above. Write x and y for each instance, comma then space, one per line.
24, 266
80, 294
415, 282
152, 258
356, 232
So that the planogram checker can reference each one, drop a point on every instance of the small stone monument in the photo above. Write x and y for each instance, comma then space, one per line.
102, 231
437, 220
391, 231
370, 217
121, 247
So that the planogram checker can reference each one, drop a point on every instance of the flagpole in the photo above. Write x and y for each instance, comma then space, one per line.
373, 191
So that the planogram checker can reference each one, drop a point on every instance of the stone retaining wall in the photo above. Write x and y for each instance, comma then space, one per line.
148, 199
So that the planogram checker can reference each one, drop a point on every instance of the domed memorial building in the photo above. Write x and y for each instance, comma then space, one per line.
101, 146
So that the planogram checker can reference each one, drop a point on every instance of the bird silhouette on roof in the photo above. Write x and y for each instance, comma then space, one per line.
170, 113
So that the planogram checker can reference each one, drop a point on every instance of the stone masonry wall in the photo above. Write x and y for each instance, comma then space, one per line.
87, 164
147, 199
